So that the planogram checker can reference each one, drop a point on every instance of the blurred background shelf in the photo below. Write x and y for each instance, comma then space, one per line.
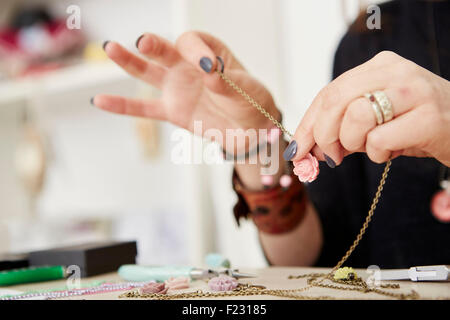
67, 79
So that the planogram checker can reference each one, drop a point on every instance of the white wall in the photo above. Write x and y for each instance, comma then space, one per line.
310, 31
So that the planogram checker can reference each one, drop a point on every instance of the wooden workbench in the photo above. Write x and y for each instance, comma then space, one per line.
271, 278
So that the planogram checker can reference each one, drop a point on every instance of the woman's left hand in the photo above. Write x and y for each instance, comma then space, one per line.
341, 120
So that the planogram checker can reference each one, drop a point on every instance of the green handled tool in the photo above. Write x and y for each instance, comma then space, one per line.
32, 274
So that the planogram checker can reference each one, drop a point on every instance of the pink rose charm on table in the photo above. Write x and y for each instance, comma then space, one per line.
307, 168
154, 288
222, 283
177, 283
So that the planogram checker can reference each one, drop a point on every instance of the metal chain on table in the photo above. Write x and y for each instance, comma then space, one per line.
357, 284
241, 290
314, 279
250, 290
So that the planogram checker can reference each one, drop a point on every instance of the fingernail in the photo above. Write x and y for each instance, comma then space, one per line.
290, 150
330, 162
206, 64
105, 43
137, 41
92, 101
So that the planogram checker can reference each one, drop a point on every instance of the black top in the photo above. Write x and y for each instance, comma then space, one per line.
403, 232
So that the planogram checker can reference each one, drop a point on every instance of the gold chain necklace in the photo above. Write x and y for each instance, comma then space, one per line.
313, 279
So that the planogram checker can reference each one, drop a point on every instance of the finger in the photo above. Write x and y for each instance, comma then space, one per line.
358, 120
201, 51
152, 108
193, 49
413, 152
303, 136
396, 154
158, 48
137, 67
315, 151
408, 131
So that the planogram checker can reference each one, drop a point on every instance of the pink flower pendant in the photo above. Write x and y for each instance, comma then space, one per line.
307, 169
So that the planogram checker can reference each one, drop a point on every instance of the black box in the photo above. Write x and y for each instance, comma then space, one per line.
92, 258
13, 261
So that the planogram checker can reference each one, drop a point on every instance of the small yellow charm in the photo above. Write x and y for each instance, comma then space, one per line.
345, 273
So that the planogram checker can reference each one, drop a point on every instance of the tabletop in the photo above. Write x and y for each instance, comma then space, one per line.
271, 278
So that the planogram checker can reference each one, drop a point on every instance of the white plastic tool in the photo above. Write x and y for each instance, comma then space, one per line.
425, 273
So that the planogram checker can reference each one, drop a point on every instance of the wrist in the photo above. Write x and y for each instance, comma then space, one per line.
250, 174
247, 139
275, 210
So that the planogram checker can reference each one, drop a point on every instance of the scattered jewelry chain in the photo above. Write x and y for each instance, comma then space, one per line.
313, 279
102, 288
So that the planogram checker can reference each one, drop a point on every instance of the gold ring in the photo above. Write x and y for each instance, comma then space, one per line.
385, 105
376, 108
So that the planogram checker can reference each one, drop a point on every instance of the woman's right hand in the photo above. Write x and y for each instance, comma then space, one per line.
191, 90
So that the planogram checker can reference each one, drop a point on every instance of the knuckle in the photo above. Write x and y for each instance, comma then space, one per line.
328, 96
158, 47
323, 138
375, 140
127, 106
431, 119
151, 44
406, 69
425, 89
348, 143
301, 132
375, 157
319, 137
356, 113
375, 154
355, 124
405, 92
186, 36
387, 56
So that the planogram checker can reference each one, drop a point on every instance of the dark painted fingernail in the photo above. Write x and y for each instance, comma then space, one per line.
290, 150
105, 43
137, 41
206, 64
92, 101
330, 162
